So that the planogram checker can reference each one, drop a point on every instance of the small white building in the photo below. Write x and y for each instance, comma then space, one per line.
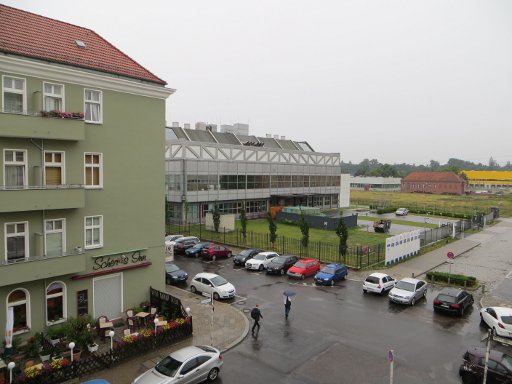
370, 183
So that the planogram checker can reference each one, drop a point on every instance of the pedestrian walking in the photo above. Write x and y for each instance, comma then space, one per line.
256, 315
287, 306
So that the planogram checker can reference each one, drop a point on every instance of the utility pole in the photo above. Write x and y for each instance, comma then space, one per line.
489, 336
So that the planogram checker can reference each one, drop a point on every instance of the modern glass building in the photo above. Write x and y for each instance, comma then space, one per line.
204, 166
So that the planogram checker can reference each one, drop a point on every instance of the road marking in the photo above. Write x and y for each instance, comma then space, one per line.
241, 298
509, 275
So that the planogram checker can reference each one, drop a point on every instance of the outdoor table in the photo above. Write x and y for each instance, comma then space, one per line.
143, 316
106, 324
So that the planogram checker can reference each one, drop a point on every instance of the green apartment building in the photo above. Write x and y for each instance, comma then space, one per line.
81, 174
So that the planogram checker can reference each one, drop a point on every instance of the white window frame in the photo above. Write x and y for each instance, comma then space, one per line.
27, 305
100, 103
54, 95
14, 90
62, 230
98, 166
16, 234
17, 163
62, 165
64, 302
92, 228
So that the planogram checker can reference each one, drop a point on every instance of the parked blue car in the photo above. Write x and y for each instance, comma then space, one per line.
331, 273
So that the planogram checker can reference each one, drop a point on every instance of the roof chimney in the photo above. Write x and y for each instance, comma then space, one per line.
175, 124
186, 125
283, 137
269, 136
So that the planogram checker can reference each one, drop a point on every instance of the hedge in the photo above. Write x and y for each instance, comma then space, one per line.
467, 281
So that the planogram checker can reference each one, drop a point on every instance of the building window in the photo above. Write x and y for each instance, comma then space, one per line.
13, 100
93, 163
16, 241
54, 168
93, 113
55, 237
55, 302
93, 232
53, 98
18, 300
15, 168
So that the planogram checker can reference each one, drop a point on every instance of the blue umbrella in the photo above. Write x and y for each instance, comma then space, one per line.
289, 293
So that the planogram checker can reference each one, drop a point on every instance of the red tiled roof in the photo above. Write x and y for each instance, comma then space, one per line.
434, 177
27, 34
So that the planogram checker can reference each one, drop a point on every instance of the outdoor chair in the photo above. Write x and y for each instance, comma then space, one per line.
152, 315
130, 314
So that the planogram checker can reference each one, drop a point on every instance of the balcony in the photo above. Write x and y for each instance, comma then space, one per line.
36, 268
39, 198
37, 127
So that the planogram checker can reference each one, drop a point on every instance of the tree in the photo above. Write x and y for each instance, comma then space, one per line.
216, 216
434, 165
272, 228
304, 228
243, 221
342, 233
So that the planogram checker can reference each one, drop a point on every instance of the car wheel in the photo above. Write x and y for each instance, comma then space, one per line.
168, 281
413, 301
260, 268
365, 291
282, 271
332, 283
468, 379
216, 296
494, 332
193, 289
213, 374
382, 291
482, 322
214, 258
425, 294
461, 313
229, 254
302, 277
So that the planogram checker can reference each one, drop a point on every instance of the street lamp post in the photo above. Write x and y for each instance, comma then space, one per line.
111, 335
156, 323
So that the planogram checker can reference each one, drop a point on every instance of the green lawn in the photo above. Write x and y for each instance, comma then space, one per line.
401, 222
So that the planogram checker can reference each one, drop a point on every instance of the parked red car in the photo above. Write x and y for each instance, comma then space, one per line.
214, 251
303, 268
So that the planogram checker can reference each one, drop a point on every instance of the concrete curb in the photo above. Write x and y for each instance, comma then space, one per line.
444, 262
242, 336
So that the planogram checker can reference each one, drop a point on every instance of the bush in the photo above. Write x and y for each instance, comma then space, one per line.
380, 211
463, 280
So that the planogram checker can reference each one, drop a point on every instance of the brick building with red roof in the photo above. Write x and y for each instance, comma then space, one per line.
434, 182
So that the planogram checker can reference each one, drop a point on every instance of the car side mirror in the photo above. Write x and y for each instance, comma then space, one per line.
181, 376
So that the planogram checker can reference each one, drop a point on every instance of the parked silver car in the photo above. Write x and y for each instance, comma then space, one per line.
408, 291
187, 365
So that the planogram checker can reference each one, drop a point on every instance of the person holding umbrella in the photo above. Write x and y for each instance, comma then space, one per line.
287, 302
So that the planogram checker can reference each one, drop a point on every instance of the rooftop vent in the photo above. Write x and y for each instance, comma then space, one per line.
283, 137
186, 125
269, 136
80, 44
175, 124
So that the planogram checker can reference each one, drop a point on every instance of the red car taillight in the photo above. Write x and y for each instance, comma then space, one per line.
501, 325
378, 286
436, 302
220, 357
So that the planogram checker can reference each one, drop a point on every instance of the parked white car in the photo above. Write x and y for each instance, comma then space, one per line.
401, 212
378, 283
408, 291
213, 284
260, 261
498, 319
190, 365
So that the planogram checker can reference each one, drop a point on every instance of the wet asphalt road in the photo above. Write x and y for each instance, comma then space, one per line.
338, 335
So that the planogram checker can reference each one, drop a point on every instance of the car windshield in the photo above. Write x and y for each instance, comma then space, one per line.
405, 286
245, 252
372, 279
507, 362
168, 366
218, 280
278, 260
259, 256
300, 264
506, 319
447, 298
171, 268
328, 270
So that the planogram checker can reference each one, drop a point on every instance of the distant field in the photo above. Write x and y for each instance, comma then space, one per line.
436, 203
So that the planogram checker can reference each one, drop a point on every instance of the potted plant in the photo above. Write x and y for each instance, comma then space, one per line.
79, 331
56, 333
46, 352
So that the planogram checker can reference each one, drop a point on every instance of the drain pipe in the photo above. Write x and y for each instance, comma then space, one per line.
40, 179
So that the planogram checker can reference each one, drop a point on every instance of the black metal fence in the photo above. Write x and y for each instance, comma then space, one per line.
356, 257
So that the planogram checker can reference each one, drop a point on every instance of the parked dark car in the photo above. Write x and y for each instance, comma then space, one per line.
214, 251
195, 250
245, 255
174, 274
453, 300
281, 264
499, 366
183, 243
331, 273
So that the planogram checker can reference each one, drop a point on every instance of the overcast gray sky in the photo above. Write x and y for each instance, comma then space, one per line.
398, 81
